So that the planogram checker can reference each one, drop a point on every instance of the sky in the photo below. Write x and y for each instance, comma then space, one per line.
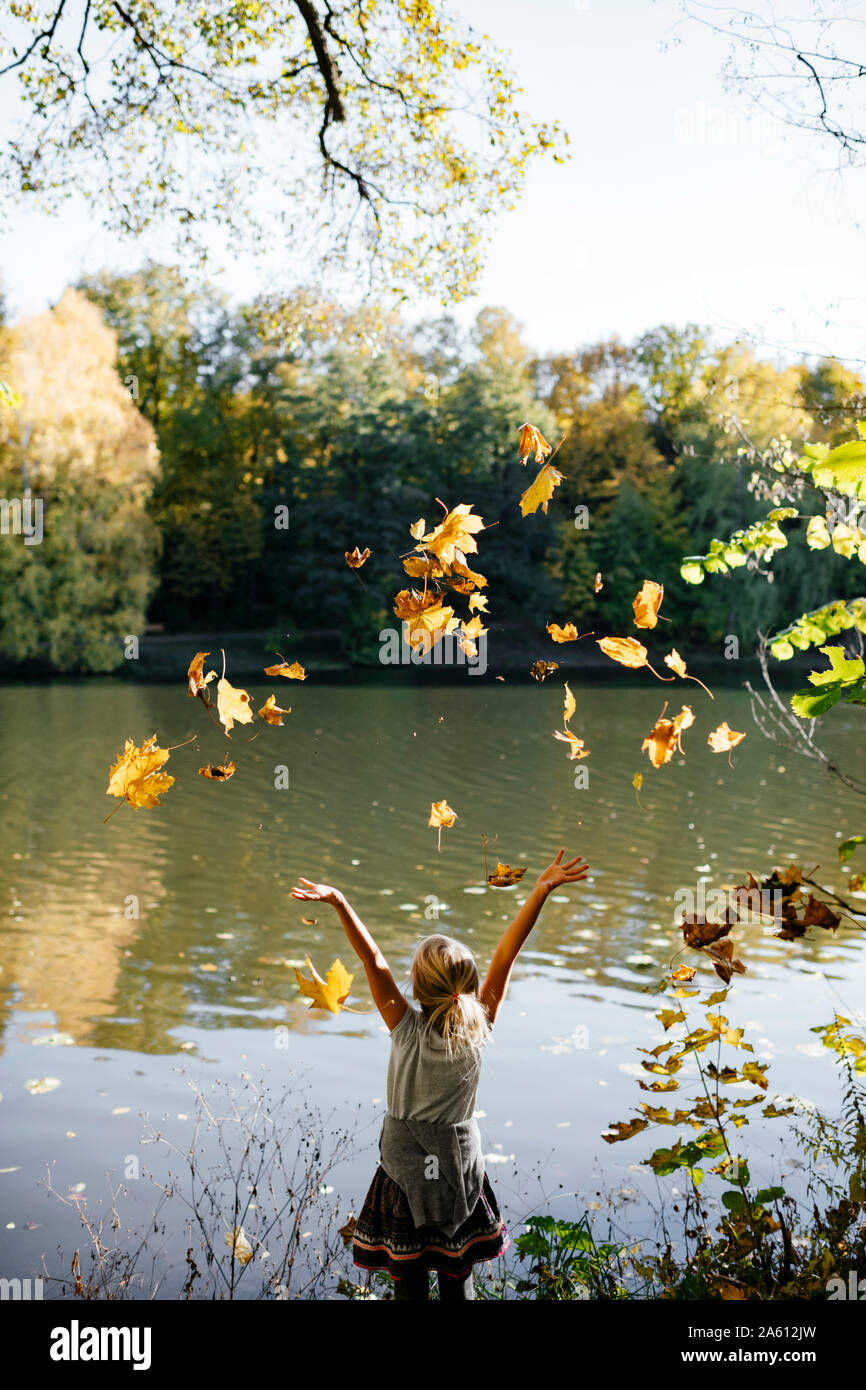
680, 202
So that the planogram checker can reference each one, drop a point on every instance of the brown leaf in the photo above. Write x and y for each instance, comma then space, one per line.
504, 876
542, 669
356, 558
218, 773
647, 603
532, 441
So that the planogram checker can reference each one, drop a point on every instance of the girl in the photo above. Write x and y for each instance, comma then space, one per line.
430, 1205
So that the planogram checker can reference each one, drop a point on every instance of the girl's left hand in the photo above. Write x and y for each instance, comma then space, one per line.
558, 873
316, 892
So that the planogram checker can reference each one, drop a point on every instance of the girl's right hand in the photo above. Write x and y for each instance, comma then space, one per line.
316, 892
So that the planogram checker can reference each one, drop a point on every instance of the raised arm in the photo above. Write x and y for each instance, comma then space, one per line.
386, 996
496, 981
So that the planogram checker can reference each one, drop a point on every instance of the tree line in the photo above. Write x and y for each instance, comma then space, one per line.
203, 465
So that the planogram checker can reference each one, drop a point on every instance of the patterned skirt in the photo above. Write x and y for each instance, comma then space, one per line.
385, 1237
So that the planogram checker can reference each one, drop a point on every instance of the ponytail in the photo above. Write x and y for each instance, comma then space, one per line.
445, 979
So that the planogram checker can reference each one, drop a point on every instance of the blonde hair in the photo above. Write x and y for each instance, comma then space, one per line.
445, 980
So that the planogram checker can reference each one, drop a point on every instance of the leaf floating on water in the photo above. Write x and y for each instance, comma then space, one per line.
330, 993
540, 671
271, 712
219, 772
532, 441
41, 1084
233, 706
647, 604
504, 876
240, 1246
136, 778
356, 558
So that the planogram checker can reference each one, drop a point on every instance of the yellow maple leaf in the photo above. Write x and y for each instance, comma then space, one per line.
647, 603
441, 815
233, 706
562, 634
723, 739
678, 666
532, 441
454, 537
628, 651
271, 712
198, 682
426, 626
418, 568
220, 772
295, 672
462, 569
136, 777
477, 603
356, 558
467, 634
539, 492
330, 993
664, 738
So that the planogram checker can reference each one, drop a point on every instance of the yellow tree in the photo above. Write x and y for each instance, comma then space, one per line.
77, 466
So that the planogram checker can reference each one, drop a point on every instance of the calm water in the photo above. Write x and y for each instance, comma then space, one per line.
198, 987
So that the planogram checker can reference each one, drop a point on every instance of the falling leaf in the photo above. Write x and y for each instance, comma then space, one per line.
637, 781
577, 746
356, 558
218, 773
240, 1246
330, 993
41, 1084
477, 603
721, 953
723, 739
467, 634
664, 738
698, 932
417, 529
684, 973
597, 584
309, 921
626, 650
233, 706
295, 672
504, 876
198, 682
539, 493
678, 666
818, 914
455, 533
647, 603
426, 619
562, 634
541, 670
136, 777
532, 441
441, 815
569, 705
271, 712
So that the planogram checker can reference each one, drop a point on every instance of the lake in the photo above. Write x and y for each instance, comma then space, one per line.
151, 955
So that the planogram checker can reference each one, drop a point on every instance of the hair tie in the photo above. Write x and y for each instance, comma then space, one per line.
454, 998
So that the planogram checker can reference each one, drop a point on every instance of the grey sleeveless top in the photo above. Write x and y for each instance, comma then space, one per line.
430, 1145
